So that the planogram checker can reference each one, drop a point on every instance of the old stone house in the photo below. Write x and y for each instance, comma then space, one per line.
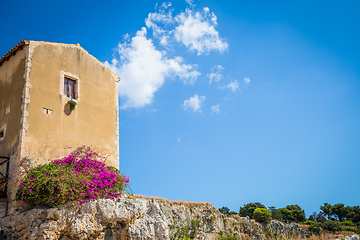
37, 79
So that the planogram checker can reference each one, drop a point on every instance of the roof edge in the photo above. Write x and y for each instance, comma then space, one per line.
13, 51
24, 42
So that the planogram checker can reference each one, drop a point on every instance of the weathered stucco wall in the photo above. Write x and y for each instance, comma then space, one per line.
92, 123
11, 88
11, 95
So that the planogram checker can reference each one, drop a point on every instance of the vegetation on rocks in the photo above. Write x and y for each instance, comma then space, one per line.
331, 218
262, 215
248, 209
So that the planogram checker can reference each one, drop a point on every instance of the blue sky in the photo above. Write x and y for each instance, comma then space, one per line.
226, 102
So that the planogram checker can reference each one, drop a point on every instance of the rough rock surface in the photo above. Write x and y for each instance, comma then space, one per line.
138, 219
353, 237
3, 207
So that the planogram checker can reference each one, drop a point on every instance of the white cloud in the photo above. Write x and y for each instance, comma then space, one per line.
233, 85
247, 81
194, 103
215, 109
161, 17
190, 2
197, 31
178, 140
143, 70
215, 74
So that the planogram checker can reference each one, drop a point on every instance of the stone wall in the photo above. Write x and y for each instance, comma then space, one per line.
3, 209
138, 219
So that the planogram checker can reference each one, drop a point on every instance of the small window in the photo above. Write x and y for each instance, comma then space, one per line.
70, 88
47, 111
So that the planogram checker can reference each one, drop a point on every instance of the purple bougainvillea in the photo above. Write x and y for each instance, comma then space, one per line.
77, 178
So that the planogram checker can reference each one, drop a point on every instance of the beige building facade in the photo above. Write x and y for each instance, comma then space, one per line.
37, 80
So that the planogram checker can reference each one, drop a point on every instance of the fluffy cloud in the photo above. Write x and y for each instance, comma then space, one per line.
143, 70
157, 21
197, 31
215, 109
247, 81
194, 103
215, 74
233, 85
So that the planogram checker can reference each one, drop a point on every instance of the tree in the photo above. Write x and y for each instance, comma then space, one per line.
262, 215
224, 210
353, 214
248, 209
275, 213
320, 218
327, 209
292, 213
312, 217
339, 211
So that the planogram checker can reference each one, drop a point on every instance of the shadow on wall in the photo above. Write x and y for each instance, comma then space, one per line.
67, 110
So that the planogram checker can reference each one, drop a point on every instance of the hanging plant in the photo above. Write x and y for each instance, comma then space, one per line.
71, 104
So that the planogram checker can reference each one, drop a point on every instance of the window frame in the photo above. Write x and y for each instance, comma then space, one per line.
76, 80
70, 88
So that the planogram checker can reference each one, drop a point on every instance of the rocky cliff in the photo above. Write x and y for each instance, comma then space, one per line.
139, 219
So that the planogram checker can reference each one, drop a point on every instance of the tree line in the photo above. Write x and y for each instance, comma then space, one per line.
337, 217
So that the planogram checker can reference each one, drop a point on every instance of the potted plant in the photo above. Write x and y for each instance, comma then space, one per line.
71, 104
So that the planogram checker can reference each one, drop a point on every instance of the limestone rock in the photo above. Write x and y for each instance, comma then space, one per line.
353, 237
138, 219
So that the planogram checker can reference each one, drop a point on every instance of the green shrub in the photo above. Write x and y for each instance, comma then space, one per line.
262, 215
227, 237
350, 229
332, 226
195, 224
315, 228
321, 219
248, 209
276, 214
224, 210
77, 178
348, 223
292, 213
310, 222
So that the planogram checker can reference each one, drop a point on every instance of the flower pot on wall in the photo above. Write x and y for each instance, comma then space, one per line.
71, 105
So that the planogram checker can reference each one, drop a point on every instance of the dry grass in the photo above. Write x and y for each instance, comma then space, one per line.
325, 235
172, 202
